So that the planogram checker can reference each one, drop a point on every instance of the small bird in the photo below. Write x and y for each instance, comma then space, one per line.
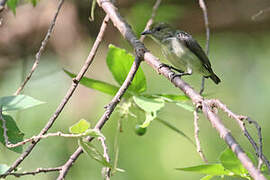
184, 52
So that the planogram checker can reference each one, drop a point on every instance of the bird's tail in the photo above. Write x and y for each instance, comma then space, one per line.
214, 78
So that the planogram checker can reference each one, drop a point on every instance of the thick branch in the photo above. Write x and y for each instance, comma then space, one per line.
196, 98
109, 109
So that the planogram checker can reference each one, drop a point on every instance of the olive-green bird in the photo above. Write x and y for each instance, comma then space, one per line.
184, 52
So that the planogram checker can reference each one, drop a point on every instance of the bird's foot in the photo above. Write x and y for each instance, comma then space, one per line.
174, 75
170, 67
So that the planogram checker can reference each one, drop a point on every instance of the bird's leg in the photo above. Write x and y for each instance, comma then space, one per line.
172, 76
170, 67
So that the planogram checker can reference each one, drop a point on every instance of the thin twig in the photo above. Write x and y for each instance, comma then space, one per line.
77, 153
64, 101
196, 98
37, 171
255, 16
196, 133
151, 20
240, 120
207, 31
109, 109
34, 138
41, 49
196, 117
106, 115
106, 156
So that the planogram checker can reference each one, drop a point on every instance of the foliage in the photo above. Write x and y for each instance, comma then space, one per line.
119, 63
14, 103
229, 165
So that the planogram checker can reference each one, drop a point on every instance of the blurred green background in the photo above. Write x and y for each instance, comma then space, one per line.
239, 53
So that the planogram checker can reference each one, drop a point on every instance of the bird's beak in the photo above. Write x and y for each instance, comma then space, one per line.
146, 32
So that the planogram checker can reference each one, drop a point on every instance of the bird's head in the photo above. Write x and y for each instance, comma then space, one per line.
160, 31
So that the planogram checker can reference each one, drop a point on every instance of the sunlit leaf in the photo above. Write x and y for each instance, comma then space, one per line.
208, 169
13, 133
173, 97
149, 104
80, 127
119, 63
208, 177
11, 103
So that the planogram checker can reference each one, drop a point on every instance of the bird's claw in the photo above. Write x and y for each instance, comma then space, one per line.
173, 75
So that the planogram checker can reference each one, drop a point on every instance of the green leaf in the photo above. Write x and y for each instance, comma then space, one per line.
11, 103
173, 97
13, 133
232, 163
119, 63
96, 84
91, 18
170, 126
3, 168
208, 169
92, 151
79, 127
151, 106
185, 106
12, 4
207, 177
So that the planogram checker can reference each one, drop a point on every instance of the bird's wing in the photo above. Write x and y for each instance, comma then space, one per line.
194, 47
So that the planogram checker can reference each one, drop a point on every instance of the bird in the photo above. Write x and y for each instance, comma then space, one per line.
182, 51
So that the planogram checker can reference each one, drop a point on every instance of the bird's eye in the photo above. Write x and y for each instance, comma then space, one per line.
158, 29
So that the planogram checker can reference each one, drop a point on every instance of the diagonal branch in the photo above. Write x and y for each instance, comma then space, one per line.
105, 117
196, 98
64, 101
207, 31
41, 49
102, 121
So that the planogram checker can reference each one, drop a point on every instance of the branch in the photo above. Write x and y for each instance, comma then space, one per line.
240, 120
106, 156
41, 49
34, 138
207, 31
117, 97
37, 171
64, 101
196, 117
109, 109
151, 20
196, 133
196, 98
